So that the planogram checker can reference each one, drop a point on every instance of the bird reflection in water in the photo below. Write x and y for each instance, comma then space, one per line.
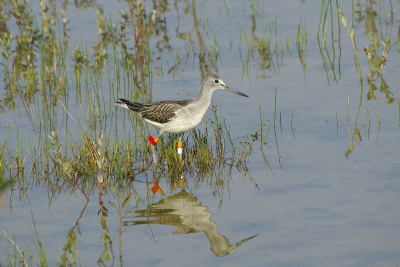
189, 216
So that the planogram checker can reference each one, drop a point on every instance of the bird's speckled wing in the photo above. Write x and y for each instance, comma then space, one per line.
163, 111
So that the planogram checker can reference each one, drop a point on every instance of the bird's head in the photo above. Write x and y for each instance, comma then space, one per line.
212, 82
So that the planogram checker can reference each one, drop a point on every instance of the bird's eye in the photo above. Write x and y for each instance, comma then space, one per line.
216, 81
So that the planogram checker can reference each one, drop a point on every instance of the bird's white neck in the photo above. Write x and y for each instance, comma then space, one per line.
204, 97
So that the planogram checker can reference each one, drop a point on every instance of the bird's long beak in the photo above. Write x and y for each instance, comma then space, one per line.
234, 91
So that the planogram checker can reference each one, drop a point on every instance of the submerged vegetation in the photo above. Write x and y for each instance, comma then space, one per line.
78, 139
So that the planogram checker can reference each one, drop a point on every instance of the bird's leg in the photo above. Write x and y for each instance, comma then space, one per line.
153, 149
153, 152
180, 147
183, 181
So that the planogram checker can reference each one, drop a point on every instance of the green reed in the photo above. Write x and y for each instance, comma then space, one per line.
23, 256
301, 42
15, 256
329, 54
352, 33
267, 43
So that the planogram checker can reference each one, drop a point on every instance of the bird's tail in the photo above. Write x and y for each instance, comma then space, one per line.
135, 107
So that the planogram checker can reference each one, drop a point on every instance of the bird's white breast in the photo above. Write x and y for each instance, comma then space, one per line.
186, 119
